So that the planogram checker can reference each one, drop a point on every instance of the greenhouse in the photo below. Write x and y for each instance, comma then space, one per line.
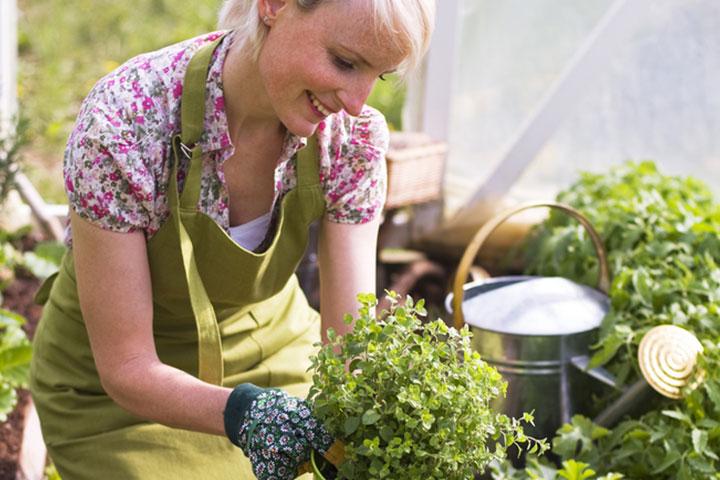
360, 239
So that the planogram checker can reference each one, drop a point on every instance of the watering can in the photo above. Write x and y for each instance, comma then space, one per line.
537, 332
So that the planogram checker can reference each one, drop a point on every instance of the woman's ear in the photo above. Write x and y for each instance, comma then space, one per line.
269, 9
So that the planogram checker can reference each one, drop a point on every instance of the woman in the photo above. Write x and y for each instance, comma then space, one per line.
191, 193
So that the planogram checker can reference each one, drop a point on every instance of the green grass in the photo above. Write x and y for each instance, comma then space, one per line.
65, 47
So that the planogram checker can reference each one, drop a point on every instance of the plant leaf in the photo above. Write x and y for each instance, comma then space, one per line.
351, 425
370, 417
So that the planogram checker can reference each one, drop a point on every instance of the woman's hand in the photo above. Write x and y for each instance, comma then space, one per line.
274, 430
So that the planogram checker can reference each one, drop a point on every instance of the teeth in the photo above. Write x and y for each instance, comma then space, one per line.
319, 105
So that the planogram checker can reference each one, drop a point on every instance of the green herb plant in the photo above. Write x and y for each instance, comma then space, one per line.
411, 399
15, 354
662, 236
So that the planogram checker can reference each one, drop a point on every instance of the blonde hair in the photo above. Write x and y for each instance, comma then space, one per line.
409, 23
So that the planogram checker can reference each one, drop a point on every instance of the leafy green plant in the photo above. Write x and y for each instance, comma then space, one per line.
662, 236
541, 469
12, 258
41, 262
15, 348
573, 470
15, 354
661, 444
44, 259
9, 259
410, 399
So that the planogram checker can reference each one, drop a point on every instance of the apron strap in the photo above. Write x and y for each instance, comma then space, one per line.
210, 358
308, 166
210, 355
192, 106
192, 120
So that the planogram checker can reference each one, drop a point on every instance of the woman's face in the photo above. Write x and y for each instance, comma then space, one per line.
320, 62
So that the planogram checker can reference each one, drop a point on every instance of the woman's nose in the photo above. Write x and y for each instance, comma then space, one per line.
353, 97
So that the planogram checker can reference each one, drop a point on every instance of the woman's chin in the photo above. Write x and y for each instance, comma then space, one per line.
302, 129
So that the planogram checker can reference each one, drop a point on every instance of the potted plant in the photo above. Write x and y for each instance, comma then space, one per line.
410, 399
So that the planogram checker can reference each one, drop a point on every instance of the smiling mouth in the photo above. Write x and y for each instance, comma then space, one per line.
319, 109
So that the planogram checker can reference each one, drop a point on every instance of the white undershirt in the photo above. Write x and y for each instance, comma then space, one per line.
250, 235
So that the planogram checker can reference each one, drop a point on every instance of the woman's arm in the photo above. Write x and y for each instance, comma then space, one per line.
113, 279
347, 256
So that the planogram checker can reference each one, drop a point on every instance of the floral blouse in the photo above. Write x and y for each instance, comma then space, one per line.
118, 158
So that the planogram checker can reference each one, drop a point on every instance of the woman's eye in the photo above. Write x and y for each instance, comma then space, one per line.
382, 77
343, 64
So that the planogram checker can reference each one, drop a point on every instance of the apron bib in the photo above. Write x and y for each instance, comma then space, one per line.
220, 312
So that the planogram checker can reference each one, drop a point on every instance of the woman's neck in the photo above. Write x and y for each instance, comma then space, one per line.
248, 109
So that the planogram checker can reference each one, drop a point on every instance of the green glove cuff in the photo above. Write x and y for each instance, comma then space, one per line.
236, 408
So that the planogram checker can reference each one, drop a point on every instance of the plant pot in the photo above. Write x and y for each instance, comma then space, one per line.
317, 466
315, 470
332, 459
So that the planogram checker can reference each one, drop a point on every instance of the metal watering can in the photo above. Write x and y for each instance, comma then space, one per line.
537, 331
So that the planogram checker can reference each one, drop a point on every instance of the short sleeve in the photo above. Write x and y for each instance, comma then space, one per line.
355, 179
106, 166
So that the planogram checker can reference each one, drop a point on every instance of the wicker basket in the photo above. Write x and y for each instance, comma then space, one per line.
415, 164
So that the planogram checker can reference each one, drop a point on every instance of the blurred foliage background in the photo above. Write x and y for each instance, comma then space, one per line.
66, 46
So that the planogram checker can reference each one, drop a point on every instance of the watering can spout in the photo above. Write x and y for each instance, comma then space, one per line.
581, 362
635, 400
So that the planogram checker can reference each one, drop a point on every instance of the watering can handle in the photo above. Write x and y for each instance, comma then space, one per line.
488, 228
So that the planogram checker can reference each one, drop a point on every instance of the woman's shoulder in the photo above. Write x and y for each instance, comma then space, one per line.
115, 157
352, 164
166, 61
149, 84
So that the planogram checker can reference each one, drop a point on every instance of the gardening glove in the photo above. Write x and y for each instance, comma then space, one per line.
275, 430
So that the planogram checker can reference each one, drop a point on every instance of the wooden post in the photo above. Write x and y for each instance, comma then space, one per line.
50, 225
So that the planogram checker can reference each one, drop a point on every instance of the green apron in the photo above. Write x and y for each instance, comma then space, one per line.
220, 312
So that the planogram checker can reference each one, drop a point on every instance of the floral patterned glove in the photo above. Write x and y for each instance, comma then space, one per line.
274, 430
